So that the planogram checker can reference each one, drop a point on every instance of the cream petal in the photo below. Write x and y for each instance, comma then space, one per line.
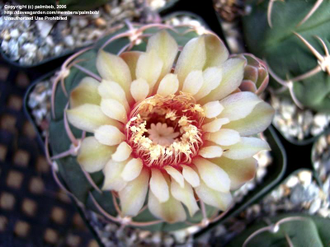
190, 175
112, 90
132, 169
239, 105
122, 153
224, 137
166, 48
92, 155
139, 89
168, 85
215, 125
193, 82
109, 135
185, 195
114, 109
89, 117
211, 80
149, 67
131, 58
158, 185
239, 171
175, 174
232, 76
170, 211
212, 109
213, 197
113, 68
85, 92
210, 152
133, 196
216, 51
246, 148
112, 178
192, 57
212, 175
257, 121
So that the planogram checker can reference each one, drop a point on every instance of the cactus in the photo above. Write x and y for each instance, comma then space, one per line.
292, 36
195, 167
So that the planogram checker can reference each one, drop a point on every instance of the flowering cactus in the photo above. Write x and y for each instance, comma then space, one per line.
168, 132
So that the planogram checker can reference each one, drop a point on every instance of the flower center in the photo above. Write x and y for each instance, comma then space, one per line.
166, 130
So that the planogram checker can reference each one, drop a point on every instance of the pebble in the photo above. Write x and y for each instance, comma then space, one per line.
44, 27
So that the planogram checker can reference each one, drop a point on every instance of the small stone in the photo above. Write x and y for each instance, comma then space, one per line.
14, 33
44, 27
315, 206
82, 22
100, 22
49, 41
58, 49
115, 11
29, 48
69, 41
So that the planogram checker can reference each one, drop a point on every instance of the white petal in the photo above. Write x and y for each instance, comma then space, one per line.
168, 85
212, 109
109, 135
239, 105
112, 178
224, 137
190, 175
133, 196
185, 195
149, 67
132, 169
170, 211
114, 109
112, 90
139, 89
216, 51
210, 152
212, 175
122, 153
211, 79
175, 174
213, 197
193, 82
247, 147
85, 92
131, 58
158, 185
215, 125
93, 155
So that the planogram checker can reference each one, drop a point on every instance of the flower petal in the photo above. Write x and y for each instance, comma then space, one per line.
149, 67
113, 68
185, 195
114, 109
246, 148
158, 185
85, 92
257, 121
210, 152
93, 155
232, 76
170, 211
131, 58
139, 89
212, 109
109, 135
212, 175
89, 117
224, 137
216, 51
168, 85
133, 196
166, 48
239, 105
190, 175
122, 153
239, 171
192, 57
132, 169
193, 82
112, 178
175, 174
112, 90
215, 125
213, 197
212, 78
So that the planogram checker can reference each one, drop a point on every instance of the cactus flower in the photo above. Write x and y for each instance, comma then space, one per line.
170, 129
